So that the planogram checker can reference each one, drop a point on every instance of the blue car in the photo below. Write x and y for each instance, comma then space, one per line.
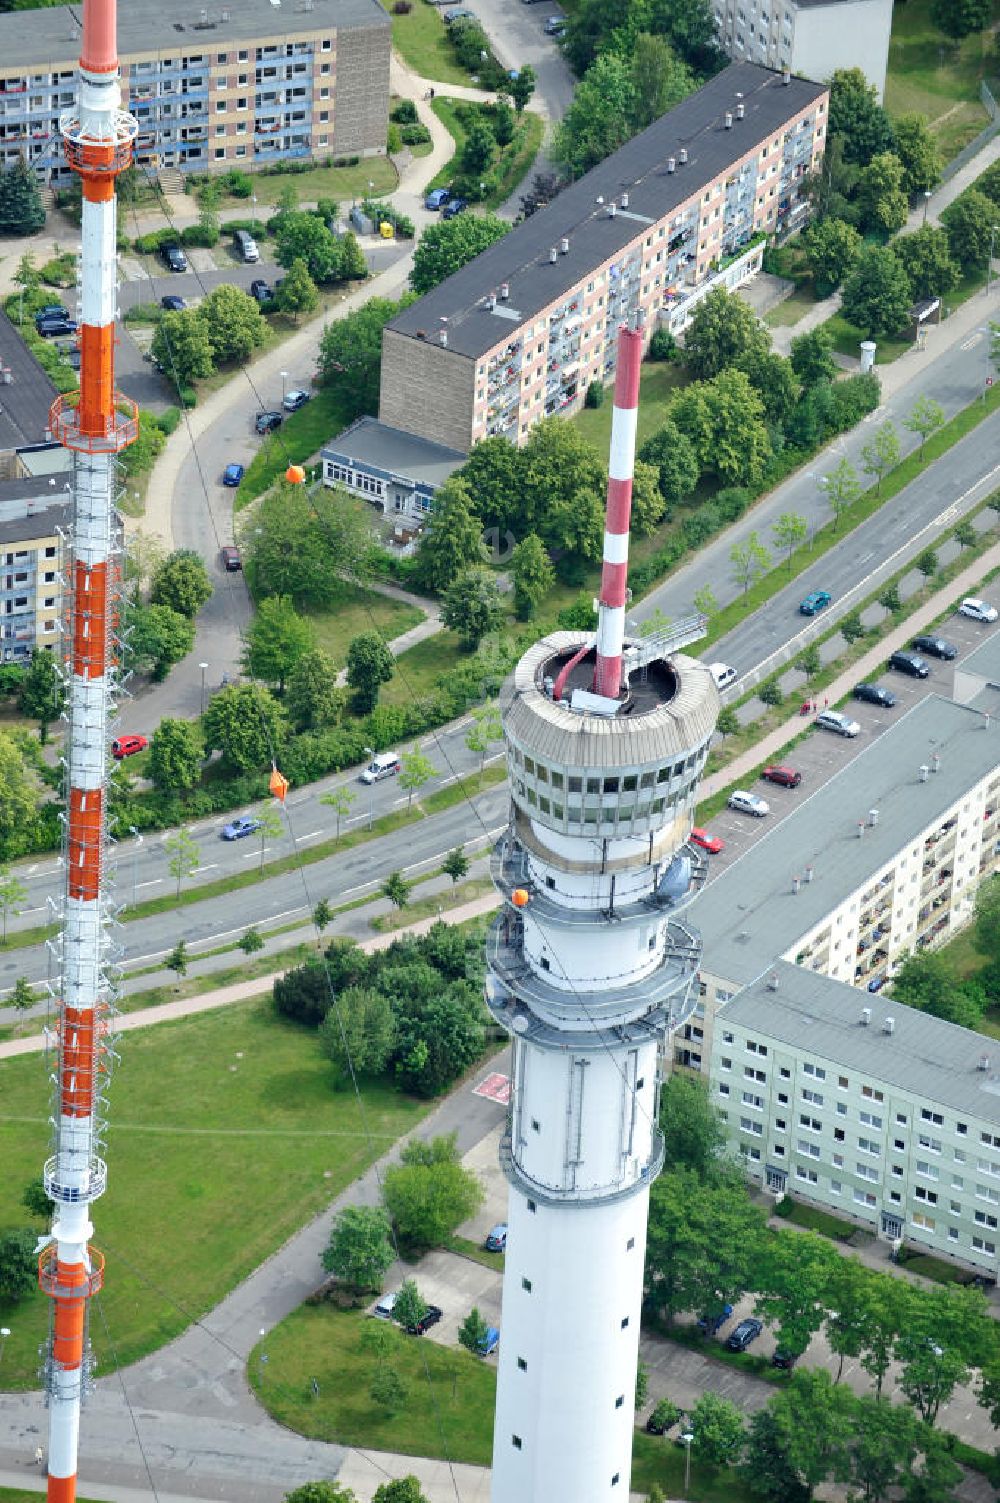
489, 1341
452, 207
232, 474
437, 198
245, 825
816, 602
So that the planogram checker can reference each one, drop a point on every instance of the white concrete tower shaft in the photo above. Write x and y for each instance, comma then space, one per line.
591, 964
95, 422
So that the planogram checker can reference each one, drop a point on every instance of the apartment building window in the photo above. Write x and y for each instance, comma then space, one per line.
220, 152
922, 1193
957, 1182
871, 1094
988, 1138
241, 151
813, 1096
753, 1047
901, 1119
220, 130
927, 1222
50, 552
897, 1170
811, 1124
927, 1169
815, 1070
842, 1082
987, 1192
324, 68
241, 128
809, 1175
221, 106
838, 1159
836, 1187
868, 1145
785, 1073
841, 1109
723, 1089
961, 1128
780, 1125
981, 1246
984, 1219
933, 1145
324, 45
748, 1125
727, 1038
865, 1171
810, 1149
725, 1064
869, 1119
926, 1115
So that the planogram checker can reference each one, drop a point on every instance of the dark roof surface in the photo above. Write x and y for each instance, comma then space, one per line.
42, 522
25, 402
639, 167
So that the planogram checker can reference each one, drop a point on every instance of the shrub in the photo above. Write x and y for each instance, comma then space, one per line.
200, 234
187, 396
169, 419
414, 135
770, 693
663, 345
393, 140
595, 394
239, 184
405, 112
148, 245
402, 8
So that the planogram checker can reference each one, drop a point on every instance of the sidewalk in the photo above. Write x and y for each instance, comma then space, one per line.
764, 750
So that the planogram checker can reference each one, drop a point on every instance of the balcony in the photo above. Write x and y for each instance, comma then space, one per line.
510, 871
576, 1194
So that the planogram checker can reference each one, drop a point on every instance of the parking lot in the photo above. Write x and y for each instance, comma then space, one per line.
821, 753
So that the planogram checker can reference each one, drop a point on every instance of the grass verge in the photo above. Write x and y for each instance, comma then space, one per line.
658, 380
453, 897
816, 1220
515, 158
466, 1248
300, 436
421, 39
259, 1124
935, 77
338, 183
356, 609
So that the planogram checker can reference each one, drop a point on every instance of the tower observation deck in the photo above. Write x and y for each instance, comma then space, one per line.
591, 963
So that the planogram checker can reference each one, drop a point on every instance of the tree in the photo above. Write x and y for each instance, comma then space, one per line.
35, 1200
455, 864
41, 696
269, 825
12, 896
181, 347
350, 351
880, 194
304, 237
882, 454
926, 417
749, 560
181, 583
877, 296
926, 258
774, 381
728, 723
883, 1446
960, 18
322, 916
275, 641
812, 356
648, 503
26, 276
445, 247
454, 540
297, 291
599, 119
704, 1242
939, 1474
370, 664
574, 528
357, 1033
522, 86
842, 488
856, 116
722, 329
659, 79
429, 1192
176, 961
21, 998
339, 799
965, 534
767, 1470
472, 1331
718, 1427
532, 574
251, 941
304, 993
388, 1389
303, 544
969, 223
320, 1492
809, 661
311, 697
852, 628
704, 601
18, 800
790, 531
183, 856
473, 605
245, 723
641, 1385
942, 1338
484, 730
396, 889
846, 1321
234, 322
693, 1132
831, 247
917, 151
739, 448
674, 456
416, 771
158, 637
21, 209
410, 1306
927, 563
814, 1421
175, 756
794, 1279
18, 1264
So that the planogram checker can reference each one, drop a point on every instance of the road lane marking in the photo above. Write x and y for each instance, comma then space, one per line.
154, 883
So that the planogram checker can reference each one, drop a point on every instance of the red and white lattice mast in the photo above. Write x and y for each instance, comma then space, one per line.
96, 423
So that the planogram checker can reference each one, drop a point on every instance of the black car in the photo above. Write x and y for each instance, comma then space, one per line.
936, 647
454, 206
874, 694
745, 1332
430, 1317
260, 290
49, 327
172, 303
909, 662
174, 257
784, 1360
266, 422
51, 310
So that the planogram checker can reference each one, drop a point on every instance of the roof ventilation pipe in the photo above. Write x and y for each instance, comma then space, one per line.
443, 338
866, 1016
491, 301
796, 883
553, 255
984, 1062
935, 762
808, 874
889, 1025
923, 773
773, 982
740, 110
873, 817
682, 155
729, 120
671, 164
504, 291
564, 245
612, 210
786, 76
624, 200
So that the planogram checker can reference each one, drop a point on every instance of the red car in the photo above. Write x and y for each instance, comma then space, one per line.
710, 843
785, 777
127, 746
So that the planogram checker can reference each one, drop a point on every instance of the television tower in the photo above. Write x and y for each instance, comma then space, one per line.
590, 966
96, 423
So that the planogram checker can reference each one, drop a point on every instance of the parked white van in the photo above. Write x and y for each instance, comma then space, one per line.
385, 765
246, 245
723, 675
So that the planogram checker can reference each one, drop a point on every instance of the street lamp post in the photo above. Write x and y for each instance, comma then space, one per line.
253, 210
284, 381
927, 199
261, 1361
4, 1333
135, 857
370, 754
989, 264
204, 670
987, 379
687, 1438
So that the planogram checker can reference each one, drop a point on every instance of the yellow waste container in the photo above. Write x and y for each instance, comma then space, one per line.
386, 230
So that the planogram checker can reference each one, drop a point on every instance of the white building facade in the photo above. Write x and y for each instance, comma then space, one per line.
813, 38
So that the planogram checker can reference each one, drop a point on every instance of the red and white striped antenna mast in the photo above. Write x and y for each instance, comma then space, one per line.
95, 423
621, 467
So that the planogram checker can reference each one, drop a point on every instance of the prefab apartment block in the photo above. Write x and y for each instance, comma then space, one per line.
520, 332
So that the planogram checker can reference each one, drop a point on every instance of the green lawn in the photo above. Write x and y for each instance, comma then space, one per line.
448, 1408
339, 183
795, 306
516, 159
817, 1221
961, 954
421, 39
658, 379
935, 77
210, 1116
934, 1268
418, 669
297, 441
356, 610
847, 337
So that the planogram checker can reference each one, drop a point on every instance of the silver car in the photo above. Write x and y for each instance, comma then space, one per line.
842, 725
749, 803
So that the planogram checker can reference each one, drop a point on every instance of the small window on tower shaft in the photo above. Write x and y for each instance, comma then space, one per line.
619, 1401
522, 1365
515, 1441
536, 1126
624, 1322
532, 1206
526, 1285
615, 1478
630, 1244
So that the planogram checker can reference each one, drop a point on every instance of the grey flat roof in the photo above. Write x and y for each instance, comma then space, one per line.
43, 521
748, 915
54, 35
25, 402
923, 1055
367, 441
521, 258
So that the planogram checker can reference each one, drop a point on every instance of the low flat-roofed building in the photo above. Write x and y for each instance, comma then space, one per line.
396, 471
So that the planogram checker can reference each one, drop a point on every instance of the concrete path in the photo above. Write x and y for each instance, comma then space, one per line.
965, 583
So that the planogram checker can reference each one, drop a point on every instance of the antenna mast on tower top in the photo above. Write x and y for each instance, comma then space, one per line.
95, 423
